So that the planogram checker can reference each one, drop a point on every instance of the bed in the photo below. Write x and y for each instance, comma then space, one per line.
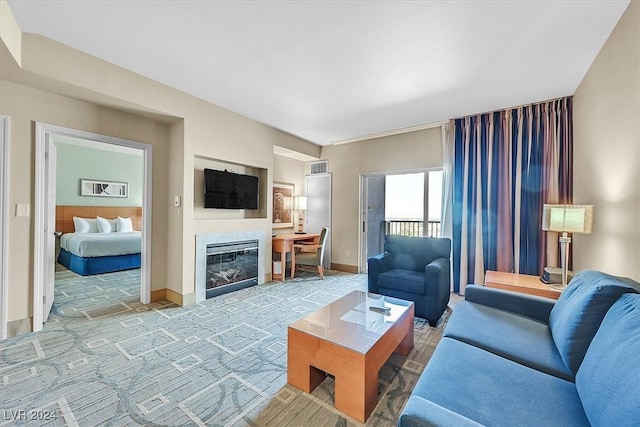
89, 252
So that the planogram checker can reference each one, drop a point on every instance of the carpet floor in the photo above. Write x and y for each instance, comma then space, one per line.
103, 358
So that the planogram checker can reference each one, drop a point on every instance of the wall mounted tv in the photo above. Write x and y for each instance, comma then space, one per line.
229, 190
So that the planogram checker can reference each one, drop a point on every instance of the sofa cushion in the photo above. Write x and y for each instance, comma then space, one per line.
492, 390
515, 337
404, 280
608, 380
420, 412
576, 316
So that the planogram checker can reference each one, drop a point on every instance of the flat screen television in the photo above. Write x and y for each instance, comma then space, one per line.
229, 190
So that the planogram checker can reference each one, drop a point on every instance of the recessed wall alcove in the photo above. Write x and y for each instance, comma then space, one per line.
200, 213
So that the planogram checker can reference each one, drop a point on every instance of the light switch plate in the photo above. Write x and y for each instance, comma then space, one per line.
22, 210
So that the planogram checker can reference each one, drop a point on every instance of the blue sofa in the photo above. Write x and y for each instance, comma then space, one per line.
415, 269
509, 359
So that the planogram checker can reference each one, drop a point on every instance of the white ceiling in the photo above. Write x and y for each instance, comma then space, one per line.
331, 71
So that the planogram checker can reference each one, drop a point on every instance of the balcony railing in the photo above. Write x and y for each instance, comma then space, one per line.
412, 228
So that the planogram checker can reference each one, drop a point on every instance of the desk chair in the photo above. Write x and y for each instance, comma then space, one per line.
309, 254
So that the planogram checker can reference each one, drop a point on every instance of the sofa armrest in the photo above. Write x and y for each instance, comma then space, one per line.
532, 306
420, 412
376, 265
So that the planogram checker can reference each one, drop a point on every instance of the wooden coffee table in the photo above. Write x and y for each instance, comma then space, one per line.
351, 342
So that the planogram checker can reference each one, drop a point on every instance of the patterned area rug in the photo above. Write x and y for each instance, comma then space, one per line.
105, 359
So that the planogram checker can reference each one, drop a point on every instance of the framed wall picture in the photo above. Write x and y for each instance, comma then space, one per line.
89, 187
282, 215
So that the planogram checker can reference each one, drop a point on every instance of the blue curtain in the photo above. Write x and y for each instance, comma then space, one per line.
506, 165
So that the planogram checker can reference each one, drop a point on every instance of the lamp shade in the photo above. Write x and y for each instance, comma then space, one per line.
567, 218
300, 203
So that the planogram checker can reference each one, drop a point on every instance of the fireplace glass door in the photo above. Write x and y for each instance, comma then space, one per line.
231, 266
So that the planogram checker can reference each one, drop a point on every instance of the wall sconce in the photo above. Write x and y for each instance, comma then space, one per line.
565, 219
300, 205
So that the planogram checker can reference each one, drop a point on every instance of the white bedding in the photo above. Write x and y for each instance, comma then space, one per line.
102, 244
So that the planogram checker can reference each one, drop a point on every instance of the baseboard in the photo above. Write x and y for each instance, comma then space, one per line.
345, 267
166, 295
19, 327
158, 295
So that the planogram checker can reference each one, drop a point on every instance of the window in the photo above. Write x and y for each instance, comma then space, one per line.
405, 196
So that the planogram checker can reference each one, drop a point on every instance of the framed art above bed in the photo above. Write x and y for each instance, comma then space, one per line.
89, 187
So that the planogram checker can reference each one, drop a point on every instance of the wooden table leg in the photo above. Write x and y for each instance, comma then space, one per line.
300, 373
357, 393
283, 260
406, 345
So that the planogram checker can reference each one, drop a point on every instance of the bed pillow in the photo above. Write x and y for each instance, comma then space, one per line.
123, 225
85, 225
106, 225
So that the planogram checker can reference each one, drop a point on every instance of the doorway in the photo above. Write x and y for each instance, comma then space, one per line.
404, 203
44, 226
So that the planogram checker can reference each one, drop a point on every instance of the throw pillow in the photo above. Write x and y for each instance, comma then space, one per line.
576, 317
123, 225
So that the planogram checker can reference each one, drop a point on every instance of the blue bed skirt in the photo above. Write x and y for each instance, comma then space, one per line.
98, 265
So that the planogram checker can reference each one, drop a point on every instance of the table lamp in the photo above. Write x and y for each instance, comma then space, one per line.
565, 219
300, 205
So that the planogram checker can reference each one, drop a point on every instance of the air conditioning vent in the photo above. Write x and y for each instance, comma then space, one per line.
319, 167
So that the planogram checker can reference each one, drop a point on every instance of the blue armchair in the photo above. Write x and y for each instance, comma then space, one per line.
415, 269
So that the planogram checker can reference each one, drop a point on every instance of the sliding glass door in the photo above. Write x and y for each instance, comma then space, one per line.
396, 204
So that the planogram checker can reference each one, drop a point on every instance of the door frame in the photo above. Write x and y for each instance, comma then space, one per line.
44, 131
4, 217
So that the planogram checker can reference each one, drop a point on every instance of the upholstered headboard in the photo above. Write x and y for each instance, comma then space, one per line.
65, 214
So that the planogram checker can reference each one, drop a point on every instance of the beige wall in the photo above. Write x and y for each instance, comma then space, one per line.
404, 152
607, 152
175, 216
62, 86
26, 106
289, 171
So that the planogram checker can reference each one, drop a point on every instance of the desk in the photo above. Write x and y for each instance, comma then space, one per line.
283, 243
523, 283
